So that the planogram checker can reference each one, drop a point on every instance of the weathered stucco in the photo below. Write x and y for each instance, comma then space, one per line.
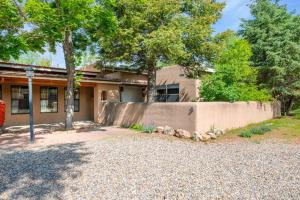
188, 88
86, 108
191, 116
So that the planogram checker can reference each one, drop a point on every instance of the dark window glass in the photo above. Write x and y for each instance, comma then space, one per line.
167, 93
76, 100
19, 100
49, 99
103, 96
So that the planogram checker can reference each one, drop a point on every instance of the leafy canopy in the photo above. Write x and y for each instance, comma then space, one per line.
85, 19
234, 79
12, 43
274, 35
152, 31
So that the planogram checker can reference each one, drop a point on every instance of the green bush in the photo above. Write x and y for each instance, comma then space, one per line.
260, 130
246, 134
137, 127
149, 129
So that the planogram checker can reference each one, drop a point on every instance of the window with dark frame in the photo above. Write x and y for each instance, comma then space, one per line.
49, 99
19, 100
167, 93
76, 100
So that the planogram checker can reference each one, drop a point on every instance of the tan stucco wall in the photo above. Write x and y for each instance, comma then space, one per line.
188, 88
86, 107
113, 95
191, 116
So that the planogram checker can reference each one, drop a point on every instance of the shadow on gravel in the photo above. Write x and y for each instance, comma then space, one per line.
36, 174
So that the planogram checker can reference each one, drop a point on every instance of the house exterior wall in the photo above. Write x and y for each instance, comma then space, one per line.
188, 88
86, 107
191, 116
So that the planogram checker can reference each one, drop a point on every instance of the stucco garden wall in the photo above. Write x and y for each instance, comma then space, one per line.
191, 116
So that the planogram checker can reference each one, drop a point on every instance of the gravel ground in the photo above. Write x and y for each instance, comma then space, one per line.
152, 168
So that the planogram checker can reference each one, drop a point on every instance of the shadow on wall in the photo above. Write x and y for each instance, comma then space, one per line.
37, 174
276, 107
122, 114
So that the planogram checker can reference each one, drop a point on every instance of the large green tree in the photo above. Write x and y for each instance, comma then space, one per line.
274, 34
12, 42
155, 31
73, 23
234, 79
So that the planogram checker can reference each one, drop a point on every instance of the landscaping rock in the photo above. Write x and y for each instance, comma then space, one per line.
212, 135
205, 137
219, 132
159, 129
169, 131
197, 136
183, 133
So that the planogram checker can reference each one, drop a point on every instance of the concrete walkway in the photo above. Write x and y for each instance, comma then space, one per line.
17, 137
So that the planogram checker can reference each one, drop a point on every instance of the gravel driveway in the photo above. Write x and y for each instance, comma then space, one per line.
142, 167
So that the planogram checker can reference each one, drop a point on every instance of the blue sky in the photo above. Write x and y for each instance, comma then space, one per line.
232, 13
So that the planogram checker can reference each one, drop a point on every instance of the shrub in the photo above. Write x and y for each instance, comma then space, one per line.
149, 129
246, 134
260, 130
137, 127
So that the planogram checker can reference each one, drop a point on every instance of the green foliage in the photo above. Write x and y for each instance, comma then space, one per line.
234, 79
84, 19
137, 127
260, 130
142, 128
149, 129
246, 134
13, 43
33, 58
274, 33
161, 31
297, 116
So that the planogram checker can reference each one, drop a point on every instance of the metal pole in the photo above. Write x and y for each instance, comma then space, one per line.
29, 73
30, 110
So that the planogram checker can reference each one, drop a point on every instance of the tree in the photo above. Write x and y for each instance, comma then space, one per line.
33, 58
12, 42
75, 24
153, 31
234, 79
274, 34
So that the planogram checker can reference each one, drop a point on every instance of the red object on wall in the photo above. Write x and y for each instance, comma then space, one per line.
2, 113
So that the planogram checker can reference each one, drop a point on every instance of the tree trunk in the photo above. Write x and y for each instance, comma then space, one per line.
151, 83
70, 65
290, 105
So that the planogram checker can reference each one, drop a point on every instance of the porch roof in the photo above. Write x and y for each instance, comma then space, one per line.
10, 72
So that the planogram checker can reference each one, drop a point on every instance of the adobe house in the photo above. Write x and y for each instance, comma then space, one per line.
96, 86
49, 85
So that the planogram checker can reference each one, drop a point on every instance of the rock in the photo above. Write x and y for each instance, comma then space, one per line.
169, 131
183, 133
205, 137
219, 132
196, 136
212, 135
159, 129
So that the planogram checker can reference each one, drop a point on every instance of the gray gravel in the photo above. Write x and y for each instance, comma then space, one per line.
152, 168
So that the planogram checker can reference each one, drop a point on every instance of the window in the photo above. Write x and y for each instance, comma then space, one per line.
76, 100
103, 96
167, 93
19, 100
49, 99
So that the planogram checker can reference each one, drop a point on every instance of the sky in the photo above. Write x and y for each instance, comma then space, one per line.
234, 11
